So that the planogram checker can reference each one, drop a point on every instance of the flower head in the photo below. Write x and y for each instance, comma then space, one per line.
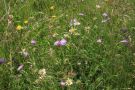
124, 41
74, 22
26, 22
99, 40
98, 6
69, 82
60, 42
52, 7
42, 72
72, 30
19, 27
33, 42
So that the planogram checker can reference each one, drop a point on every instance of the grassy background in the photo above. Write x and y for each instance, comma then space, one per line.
109, 65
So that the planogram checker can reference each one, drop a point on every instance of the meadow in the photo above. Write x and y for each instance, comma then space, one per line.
67, 44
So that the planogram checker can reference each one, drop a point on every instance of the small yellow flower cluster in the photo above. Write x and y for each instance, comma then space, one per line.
19, 27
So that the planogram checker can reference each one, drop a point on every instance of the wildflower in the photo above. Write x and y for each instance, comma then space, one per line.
62, 83
69, 82
124, 41
26, 22
19, 27
53, 16
60, 42
98, 6
24, 53
52, 7
42, 72
74, 22
33, 42
79, 63
2, 60
72, 30
20, 67
99, 41
105, 15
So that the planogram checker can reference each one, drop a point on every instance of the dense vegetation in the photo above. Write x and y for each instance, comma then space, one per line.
67, 45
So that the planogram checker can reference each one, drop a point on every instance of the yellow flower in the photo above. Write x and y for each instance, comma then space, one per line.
52, 7
72, 30
69, 82
53, 16
19, 27
26, 21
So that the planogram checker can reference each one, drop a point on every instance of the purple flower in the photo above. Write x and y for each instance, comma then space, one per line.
33, 42
63, 42
2, 60
20, 67
124, 41
60, 42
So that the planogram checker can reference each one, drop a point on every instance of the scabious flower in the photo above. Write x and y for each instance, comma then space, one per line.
20, 67
60, 42
19, 27
69, 82
2, 60
33, 42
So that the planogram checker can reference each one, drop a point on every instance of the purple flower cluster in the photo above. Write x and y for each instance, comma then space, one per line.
61, 42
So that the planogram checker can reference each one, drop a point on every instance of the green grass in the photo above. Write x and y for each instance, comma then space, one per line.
91, 65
